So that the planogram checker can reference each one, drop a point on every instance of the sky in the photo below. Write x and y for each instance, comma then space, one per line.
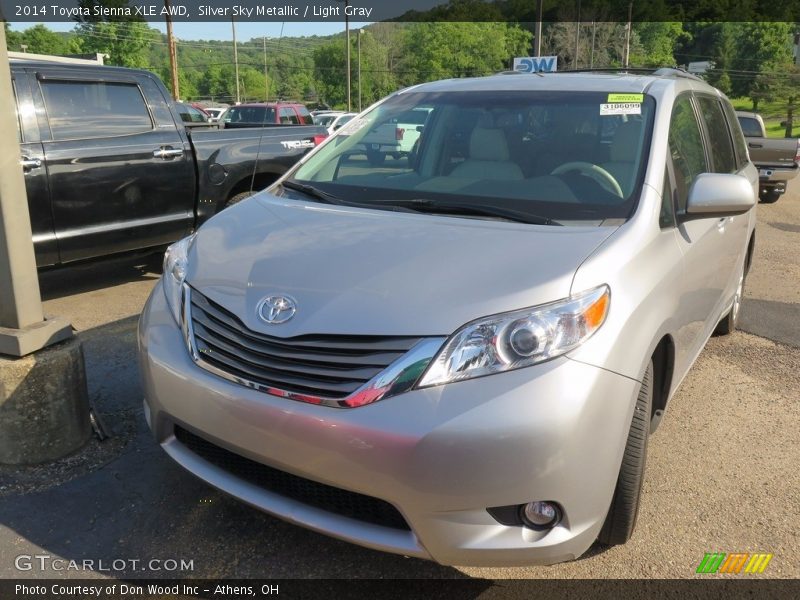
222, 31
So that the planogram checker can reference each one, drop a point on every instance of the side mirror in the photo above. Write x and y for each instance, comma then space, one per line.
719, 194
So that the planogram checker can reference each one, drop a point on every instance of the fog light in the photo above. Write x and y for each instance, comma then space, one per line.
540, 515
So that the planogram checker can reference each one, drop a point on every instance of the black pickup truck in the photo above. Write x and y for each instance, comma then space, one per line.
110, 167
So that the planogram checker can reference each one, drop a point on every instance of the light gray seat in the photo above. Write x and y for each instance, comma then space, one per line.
623, 153
488, 157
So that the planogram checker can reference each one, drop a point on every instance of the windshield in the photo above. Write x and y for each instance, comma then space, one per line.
566, 156
249, 114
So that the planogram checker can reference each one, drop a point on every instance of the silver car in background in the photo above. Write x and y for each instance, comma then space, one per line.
459, 354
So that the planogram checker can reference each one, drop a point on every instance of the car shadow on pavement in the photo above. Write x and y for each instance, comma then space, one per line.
135, 506
98, 274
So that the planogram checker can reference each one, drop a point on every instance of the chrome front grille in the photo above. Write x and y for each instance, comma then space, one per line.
339, 370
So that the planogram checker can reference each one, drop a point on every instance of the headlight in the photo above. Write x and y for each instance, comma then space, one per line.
176, 260
518, 339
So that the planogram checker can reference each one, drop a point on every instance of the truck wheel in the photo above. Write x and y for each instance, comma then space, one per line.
770, 196
730, 321
237, 198
376, 158
621, 518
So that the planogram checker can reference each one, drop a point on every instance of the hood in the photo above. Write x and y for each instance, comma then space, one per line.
375, 272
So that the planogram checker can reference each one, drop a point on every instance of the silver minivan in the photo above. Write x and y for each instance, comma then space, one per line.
459, 354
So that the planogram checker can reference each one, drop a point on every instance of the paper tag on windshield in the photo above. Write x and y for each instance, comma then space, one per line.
626, 98
621, 108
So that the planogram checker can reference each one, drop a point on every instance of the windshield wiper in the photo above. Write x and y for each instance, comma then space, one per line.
316, 193
428, 205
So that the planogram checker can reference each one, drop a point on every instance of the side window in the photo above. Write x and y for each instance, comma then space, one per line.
739, 143
719, 137
195, 115
305, 116
750, 126
89, 109
686, 149
288, 116
183, 111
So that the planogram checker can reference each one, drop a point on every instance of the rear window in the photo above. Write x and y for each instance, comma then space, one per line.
81, 109
562, 155
750, 126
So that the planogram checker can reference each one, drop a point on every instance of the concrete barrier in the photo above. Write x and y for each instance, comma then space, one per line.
44, 405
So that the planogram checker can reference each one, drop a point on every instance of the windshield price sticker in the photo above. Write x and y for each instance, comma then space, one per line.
626, 98
621, 108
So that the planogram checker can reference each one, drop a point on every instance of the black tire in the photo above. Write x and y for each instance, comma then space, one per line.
238, 198
730, 322
770, 197
621, 518
376, 158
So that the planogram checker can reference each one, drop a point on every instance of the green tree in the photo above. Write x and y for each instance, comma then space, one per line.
439, 50
125, 39
40, 40
779, 83
658, 40
12, 37
759, 46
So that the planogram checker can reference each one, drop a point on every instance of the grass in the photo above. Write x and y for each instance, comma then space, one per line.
772, 113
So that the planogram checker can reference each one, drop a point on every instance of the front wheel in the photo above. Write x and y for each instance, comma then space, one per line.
770, 196
621, 518
730, 322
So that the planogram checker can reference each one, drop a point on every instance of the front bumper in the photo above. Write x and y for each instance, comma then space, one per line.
441, 456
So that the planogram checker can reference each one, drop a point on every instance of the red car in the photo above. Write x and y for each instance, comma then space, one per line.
265, 114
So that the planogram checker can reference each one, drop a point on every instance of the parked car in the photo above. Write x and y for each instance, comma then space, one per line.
396, 137
266, 115
110, 166
777, 160
334, 120
460, 357
213, 112
193, 117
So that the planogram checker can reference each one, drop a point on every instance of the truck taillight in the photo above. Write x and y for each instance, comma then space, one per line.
797, 153
399, 133
319, 138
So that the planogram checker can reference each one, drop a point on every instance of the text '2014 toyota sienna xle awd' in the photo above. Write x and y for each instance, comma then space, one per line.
459, 354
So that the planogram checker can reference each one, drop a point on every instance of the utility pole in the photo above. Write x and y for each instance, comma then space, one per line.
236, 60
591, 54
628, 36
173, 54
577, 35
266, 73
539, 13
359, 71
347, 30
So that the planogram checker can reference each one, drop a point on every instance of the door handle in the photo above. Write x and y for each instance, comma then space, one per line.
30, 163
165, 153
754, 145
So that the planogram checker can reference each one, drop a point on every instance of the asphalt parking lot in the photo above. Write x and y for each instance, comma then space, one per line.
722, 472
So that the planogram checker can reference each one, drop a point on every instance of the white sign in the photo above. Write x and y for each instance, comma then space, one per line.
621, 108
536, 64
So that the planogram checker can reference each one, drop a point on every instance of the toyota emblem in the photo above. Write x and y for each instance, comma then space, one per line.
276, 309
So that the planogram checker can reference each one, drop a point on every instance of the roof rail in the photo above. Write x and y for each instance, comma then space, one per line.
88, 59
